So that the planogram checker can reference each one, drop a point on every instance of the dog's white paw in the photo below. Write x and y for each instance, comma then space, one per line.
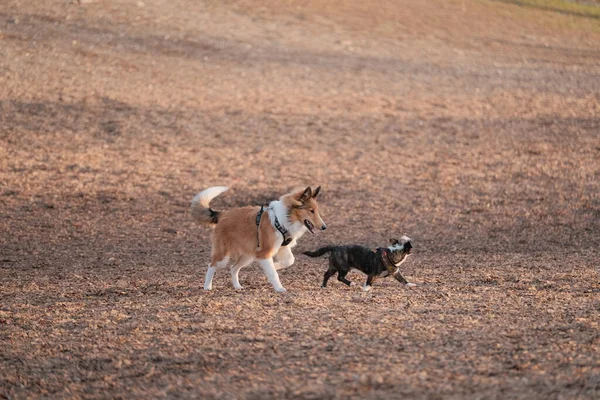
366, 288
410, 284
240, 287
280, 290
207, 287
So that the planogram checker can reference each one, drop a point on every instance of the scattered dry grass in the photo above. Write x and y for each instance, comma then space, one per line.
470, 131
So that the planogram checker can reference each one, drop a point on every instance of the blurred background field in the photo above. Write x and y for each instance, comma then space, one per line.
470, 125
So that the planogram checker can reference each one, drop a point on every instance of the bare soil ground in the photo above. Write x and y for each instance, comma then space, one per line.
472, 126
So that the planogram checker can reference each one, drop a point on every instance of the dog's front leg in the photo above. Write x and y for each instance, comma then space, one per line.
369, 283
269, 269
285, 258
402, 279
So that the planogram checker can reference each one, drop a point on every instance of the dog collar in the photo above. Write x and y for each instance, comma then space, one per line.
387, 262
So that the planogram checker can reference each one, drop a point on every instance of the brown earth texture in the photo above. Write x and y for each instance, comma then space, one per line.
473, 126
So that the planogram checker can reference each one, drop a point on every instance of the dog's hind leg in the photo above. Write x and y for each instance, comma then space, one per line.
341, 268
212, 268
328, 274
342, 278
235, 270
209, 277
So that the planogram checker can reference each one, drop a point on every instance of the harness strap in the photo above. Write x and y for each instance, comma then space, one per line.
286, 235
258, 217
287, 239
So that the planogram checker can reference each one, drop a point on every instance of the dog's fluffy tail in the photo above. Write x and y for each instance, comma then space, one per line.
319, 252
201, 211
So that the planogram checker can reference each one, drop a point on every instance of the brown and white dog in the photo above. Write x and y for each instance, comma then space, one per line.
241, 236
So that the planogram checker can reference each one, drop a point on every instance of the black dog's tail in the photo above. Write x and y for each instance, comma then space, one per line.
320, 251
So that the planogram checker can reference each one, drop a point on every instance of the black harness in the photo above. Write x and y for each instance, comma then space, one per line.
287, 239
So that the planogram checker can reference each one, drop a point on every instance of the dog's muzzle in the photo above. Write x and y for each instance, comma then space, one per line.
309, 225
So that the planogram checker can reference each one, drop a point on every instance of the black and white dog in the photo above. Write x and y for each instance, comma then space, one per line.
384, 261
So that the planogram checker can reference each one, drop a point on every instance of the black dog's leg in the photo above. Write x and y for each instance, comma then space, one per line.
342, 277
400, 278
369, 282
330, 272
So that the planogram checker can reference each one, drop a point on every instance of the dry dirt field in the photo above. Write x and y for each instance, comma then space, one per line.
473, 126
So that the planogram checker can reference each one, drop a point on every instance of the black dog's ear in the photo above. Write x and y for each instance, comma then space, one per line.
307, 194
394, 241
316, 192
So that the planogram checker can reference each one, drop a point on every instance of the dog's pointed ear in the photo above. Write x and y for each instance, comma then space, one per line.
316, 192
296, 203
307, 194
